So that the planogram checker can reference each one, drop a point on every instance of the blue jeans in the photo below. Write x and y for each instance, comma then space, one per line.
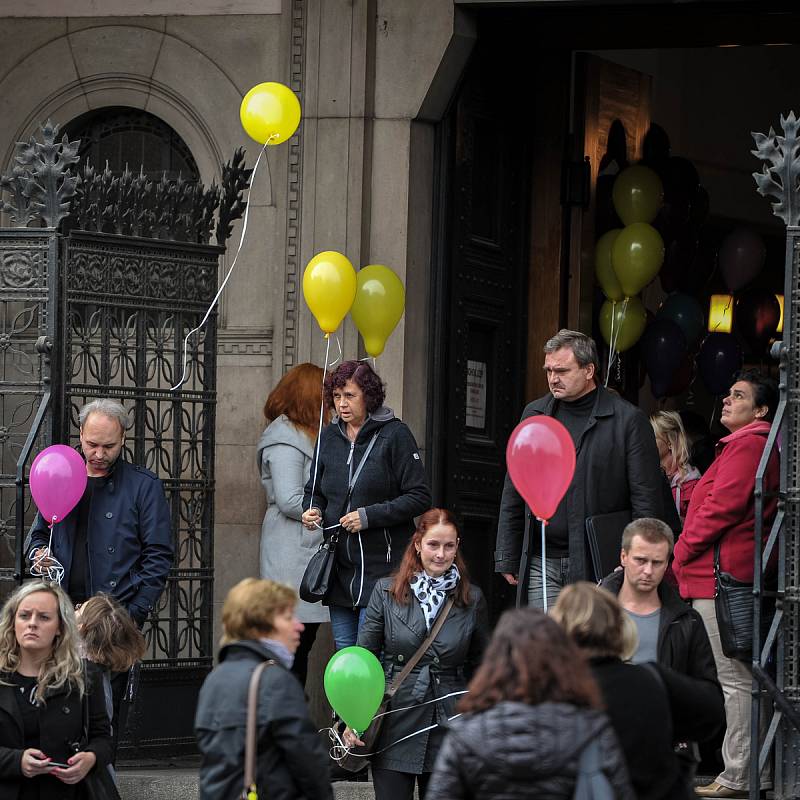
345, 624
556, 570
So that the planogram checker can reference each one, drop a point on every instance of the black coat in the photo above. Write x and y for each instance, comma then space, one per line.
60, 725
391, 490
686, 664
515, 750
617, 469
394, 633
291, 762
638, 707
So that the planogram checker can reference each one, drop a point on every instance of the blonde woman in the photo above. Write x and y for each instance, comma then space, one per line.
43, 753
673, 450
634, 696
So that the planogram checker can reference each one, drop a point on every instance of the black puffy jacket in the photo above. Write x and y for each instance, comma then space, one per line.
291, 762
515, 750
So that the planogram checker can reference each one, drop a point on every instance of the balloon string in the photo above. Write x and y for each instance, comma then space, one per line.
52, 571
544, 567
611, 341
184, 375
340, 749
730, 300
613, 354
319, 429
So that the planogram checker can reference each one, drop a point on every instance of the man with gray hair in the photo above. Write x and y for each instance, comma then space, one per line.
617, 470
118, 538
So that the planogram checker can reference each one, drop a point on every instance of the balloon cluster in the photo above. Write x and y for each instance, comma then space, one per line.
627, 259
375, 297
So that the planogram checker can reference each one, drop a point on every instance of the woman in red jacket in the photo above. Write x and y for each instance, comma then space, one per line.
722, 509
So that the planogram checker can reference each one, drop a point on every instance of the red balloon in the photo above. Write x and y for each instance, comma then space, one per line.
541, 462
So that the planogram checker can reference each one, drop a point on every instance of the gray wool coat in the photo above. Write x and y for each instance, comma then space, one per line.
284, 459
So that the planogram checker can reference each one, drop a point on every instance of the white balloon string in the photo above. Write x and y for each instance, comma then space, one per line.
45, 565
184, 375
319, 429
614, 355
544, 568
339, 357
611, 341
339, 749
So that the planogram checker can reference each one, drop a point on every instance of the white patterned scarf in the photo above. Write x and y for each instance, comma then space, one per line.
432, 592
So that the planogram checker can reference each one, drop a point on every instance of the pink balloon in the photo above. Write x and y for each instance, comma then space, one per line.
58, 480
541, 462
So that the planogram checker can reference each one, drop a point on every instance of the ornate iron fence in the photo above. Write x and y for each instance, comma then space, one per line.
114, 303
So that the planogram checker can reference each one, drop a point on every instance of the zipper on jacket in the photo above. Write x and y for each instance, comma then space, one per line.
350, 455
388, 546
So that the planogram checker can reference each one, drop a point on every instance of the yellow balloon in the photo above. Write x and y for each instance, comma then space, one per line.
270, 113
637, 255
638, 194
606, 276
329, 287
379, 304
629, 321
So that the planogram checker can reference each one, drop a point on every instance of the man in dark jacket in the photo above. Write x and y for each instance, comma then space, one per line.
617, 470
671, 633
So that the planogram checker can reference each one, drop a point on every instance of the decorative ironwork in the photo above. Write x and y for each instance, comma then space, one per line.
779, 176
235, 180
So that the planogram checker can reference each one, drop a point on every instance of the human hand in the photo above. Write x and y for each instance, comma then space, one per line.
350, 738
78, 769
311, 519
510, 578
43, 554
34, 762
351, 522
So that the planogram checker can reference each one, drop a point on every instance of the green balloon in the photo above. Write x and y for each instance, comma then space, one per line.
637, 256
606, 276
354, 685
629, 320
638, 194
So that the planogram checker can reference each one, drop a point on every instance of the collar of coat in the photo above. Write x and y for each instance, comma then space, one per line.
603, 406
672, 605
757, 428
377, 419
247, 649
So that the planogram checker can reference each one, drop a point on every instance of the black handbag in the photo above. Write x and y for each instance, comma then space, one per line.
356, 759
316, 581
733, 603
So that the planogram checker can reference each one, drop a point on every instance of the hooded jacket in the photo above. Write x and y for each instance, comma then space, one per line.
515, 750
723, 508
617, 469
291, 762
390, 491
686, 664
284, 460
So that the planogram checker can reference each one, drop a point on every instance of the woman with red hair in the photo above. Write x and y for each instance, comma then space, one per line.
284, 460
401, 612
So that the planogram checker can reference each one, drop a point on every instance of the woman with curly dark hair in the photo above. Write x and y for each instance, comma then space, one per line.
367, 484
532, 709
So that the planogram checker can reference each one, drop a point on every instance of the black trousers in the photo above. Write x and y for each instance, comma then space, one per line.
307, 637
391, 785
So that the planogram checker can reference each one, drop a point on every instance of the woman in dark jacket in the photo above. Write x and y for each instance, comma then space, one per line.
399, 617
531, 710
259, 625
43, 692
634, 696
367, 484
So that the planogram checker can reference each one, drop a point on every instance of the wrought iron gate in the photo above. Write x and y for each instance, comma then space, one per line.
114, 304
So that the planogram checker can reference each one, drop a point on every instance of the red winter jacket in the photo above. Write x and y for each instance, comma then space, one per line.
723, 507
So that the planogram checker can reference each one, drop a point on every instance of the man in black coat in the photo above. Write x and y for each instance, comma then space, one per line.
617, 470
671, 633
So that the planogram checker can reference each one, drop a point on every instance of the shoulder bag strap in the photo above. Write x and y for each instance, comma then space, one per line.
423, 648
249, 790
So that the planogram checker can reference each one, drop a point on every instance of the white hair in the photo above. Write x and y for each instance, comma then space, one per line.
108, 408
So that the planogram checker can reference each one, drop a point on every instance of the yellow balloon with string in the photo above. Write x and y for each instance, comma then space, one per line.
270, 113
378, 307
329, 287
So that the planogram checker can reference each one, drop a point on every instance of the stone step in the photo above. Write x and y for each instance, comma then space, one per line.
181, 784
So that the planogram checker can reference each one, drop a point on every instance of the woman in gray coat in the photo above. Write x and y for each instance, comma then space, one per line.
285, 451
399, 617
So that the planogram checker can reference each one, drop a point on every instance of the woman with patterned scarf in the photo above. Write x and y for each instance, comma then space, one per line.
401, 612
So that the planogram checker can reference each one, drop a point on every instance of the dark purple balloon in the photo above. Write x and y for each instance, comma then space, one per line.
687, 314
756, 317
683, 377
719, 359
663, 348
741, 257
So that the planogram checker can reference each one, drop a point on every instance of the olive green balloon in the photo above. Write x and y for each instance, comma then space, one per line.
630, 320
637, 255
638, 194
606, 276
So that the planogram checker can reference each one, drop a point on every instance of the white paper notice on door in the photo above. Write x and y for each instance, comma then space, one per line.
476, 394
